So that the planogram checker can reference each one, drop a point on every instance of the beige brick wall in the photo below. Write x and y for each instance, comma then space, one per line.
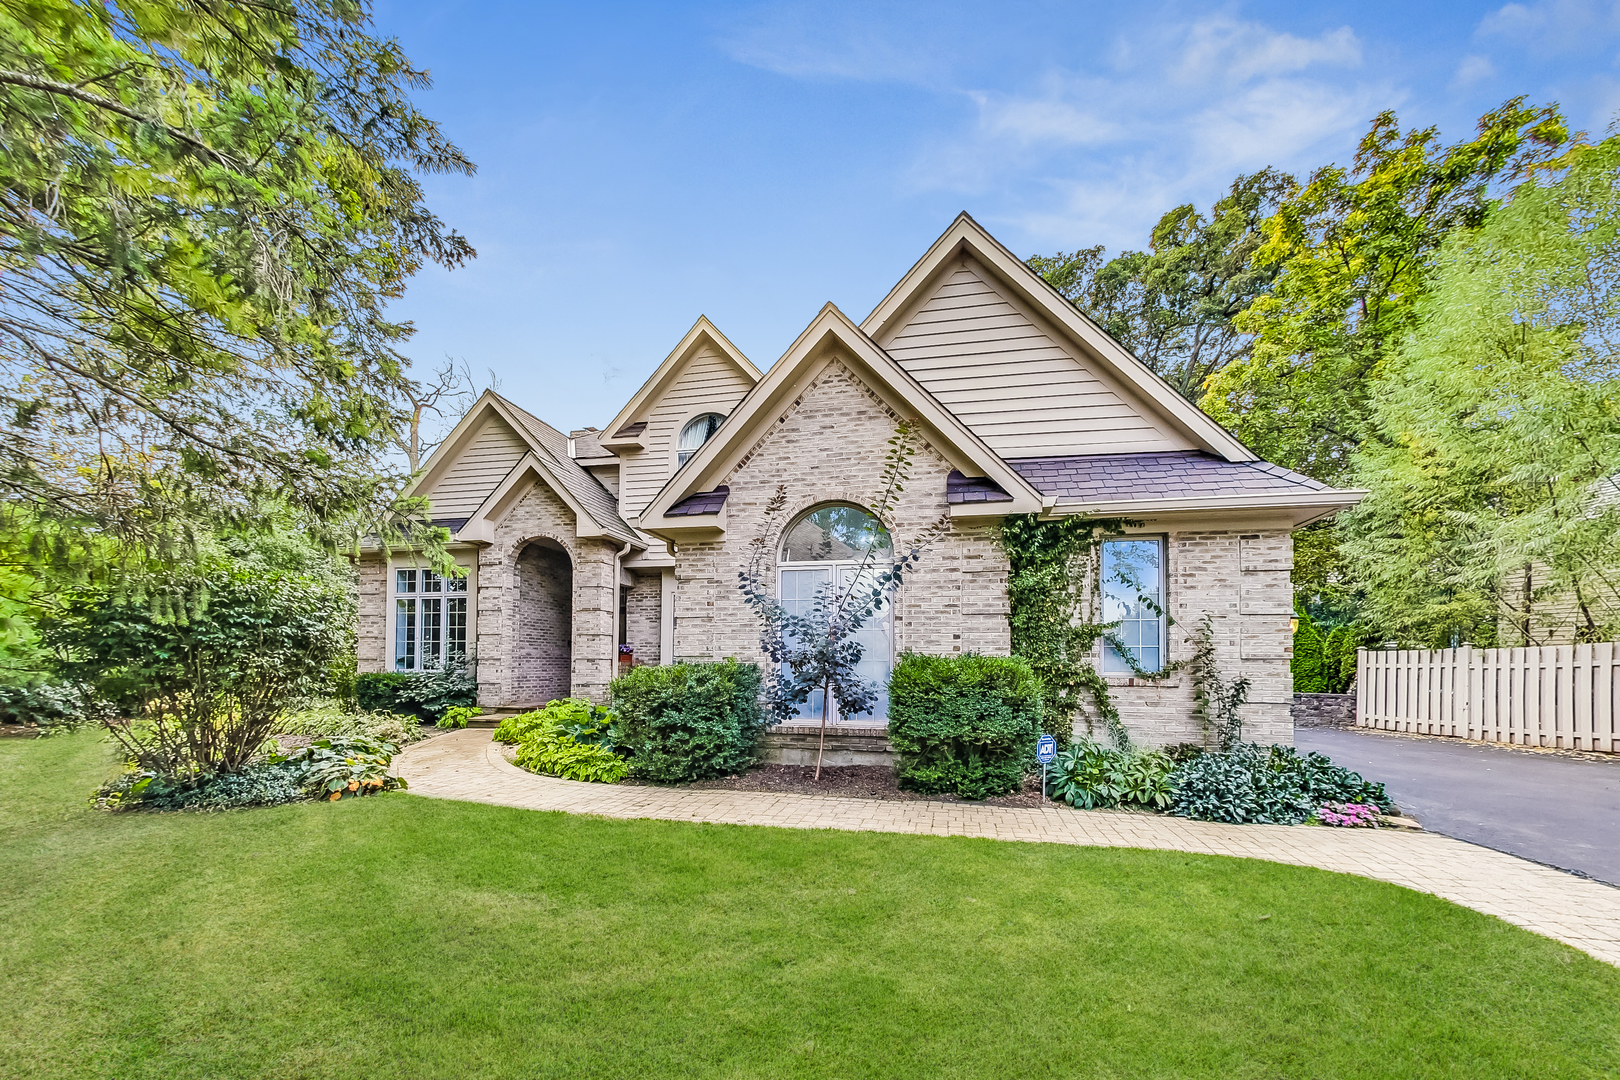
643, 612
371, 575
829, 446
540, 514
1240, 578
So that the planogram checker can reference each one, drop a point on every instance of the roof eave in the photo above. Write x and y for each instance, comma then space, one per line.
1307, 506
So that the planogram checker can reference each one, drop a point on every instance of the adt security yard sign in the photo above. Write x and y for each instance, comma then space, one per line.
1045, 751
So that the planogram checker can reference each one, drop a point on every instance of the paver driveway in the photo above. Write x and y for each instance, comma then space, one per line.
1586, 914
1560, 810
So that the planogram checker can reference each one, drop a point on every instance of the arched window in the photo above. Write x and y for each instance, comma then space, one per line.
695, 434
830, 544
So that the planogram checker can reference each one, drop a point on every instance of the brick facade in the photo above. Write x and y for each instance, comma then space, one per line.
546, 601
829, 446
1241, 579
504, 604
643, 615
543, 648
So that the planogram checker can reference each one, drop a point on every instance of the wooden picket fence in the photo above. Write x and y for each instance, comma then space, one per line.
1564, 696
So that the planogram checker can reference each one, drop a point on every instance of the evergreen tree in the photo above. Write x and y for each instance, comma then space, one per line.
1307, 662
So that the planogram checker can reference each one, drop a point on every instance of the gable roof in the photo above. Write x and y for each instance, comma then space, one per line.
626, 428
832, 335
1028, 290
547, 458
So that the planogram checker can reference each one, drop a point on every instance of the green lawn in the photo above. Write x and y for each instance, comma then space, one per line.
399, 936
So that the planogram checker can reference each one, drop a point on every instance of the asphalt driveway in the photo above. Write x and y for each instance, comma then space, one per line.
1562, 811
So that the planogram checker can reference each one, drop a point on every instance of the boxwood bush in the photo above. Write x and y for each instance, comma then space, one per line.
964, 724
689, 721
378, 691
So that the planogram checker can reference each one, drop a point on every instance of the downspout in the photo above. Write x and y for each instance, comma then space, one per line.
618, 631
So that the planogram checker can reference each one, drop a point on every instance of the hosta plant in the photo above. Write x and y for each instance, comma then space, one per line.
345, 766
1090, 776
560, 755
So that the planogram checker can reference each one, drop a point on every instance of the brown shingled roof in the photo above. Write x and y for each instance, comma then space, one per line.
1171, 474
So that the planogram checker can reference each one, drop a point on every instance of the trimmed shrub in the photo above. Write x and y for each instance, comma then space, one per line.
965, 724
378, 691
1267, 785
689, 721
1307, 662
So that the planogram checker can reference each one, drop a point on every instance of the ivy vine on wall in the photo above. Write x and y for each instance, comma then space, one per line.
1054, 588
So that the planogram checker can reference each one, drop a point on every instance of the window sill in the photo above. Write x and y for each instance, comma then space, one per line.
1172, 683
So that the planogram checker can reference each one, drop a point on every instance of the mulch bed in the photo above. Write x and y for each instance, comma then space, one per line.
850, 781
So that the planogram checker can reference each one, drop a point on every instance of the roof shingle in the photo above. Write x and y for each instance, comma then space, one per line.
1170, 474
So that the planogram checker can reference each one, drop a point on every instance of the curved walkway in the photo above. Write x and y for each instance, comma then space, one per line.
467, 765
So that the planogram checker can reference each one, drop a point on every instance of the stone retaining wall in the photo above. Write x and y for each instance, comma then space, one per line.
1325, 710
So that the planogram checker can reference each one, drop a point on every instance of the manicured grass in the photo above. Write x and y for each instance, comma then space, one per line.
399, 936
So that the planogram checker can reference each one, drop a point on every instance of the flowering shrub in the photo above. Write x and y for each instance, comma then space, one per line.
1348, 815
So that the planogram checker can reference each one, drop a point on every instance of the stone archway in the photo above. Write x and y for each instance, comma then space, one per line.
543, 651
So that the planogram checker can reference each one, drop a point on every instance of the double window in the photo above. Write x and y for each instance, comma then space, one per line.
1133, 596
430, 619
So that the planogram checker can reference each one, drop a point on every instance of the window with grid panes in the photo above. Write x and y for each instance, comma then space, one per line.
1133, 597
430, 619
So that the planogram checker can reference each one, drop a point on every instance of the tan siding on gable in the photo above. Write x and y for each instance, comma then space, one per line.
477, 471
708, 382
1016, 387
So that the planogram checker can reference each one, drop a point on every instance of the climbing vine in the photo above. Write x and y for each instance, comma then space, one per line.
1052, 568
1053, 591
1220, 700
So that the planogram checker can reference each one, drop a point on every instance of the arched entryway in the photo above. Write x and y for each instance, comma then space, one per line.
544, 649
843, 544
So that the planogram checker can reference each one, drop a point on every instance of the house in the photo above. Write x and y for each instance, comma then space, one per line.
625, 542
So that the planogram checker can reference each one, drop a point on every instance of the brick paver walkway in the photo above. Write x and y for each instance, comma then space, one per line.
466, 765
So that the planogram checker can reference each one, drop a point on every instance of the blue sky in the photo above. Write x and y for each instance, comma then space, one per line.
640, 165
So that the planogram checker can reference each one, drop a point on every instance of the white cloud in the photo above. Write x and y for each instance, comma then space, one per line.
832, 43
1047, 120
1473, 69
1180, 109
1223, 49
1555, 27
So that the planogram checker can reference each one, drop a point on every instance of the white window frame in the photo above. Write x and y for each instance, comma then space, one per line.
1113, 665
835, 568
407, 656
688, 422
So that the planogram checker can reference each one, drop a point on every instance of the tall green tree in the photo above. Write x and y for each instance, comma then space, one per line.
1173, 305
1352, 250
205, 207
1495, 478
